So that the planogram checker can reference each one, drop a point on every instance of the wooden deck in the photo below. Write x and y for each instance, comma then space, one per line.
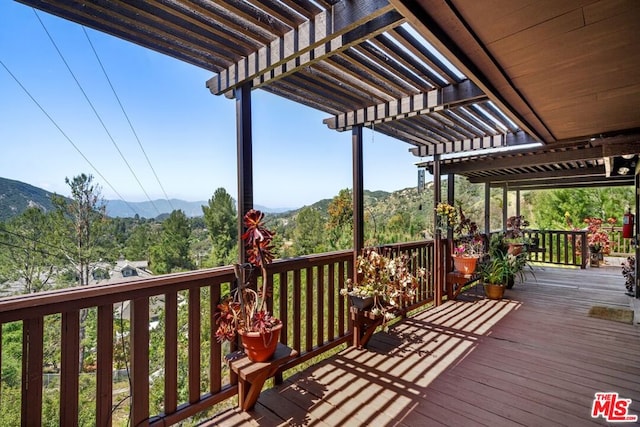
535, 358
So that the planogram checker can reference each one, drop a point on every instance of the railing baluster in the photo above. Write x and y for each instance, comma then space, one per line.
331, 302
297, 316
320, 314
170, 352
194, 344
70, 368
284, 306
341, 298
140, 362
104, 375
215, 358
32, 335
309, 309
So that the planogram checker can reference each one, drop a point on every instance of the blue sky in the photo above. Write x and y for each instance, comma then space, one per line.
187, 133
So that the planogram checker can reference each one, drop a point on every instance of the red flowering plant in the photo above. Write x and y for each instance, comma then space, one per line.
597, 237
244, 310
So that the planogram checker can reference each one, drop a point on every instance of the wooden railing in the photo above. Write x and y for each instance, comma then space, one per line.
619, 245
171, 320
559, 247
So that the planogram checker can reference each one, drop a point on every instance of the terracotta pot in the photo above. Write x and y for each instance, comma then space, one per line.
465, 264
493, 291
515, 248
260, 347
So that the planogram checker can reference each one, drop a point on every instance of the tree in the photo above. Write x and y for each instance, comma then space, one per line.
308, 235
553, 208
83, 235
28, 254
171, 253
221, 220
140, 239
340, 224
82, 224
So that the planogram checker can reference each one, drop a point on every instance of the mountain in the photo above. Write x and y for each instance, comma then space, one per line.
16, 197
123, 209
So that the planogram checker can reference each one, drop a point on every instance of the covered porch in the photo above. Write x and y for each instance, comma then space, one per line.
534, 358
366, 64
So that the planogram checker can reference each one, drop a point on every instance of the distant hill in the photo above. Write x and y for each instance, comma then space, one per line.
16, 197
122, 209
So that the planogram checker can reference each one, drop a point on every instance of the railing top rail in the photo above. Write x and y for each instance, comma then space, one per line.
78, 297
75, 298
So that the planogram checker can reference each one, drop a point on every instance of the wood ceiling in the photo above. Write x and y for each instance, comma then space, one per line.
558, 72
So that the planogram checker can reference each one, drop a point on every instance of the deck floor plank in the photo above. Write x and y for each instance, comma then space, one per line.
534, 358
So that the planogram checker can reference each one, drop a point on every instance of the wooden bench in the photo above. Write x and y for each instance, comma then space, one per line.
252, 375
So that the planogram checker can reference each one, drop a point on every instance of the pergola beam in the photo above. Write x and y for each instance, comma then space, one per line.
328, 33
519, 161
408, 106
589, 181
541, 176
490, 141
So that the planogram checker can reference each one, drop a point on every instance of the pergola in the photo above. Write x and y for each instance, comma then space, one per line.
444, 76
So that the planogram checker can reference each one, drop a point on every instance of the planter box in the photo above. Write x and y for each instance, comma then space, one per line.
361, 303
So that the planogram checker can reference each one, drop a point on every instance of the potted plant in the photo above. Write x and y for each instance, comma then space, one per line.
598, 240
383, 284
469, 244
629, 274
515, 233
496, 273
244, 312
499, 247
447, 216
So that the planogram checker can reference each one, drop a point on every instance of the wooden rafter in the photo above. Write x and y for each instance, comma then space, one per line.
327, 33
422, 103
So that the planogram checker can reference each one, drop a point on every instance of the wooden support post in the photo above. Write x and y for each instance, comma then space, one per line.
487, 208
438, 264
637, 230
505, 203
244, 138
451, 198
358, 193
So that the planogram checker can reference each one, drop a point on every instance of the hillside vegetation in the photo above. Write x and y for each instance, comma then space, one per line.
16, 197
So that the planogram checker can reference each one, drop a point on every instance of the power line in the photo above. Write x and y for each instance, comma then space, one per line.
11, 245
104, 126
65, 135
31, 239
127, 117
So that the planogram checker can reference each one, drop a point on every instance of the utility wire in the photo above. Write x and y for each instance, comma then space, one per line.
11, 245
95, 111
127, 117
24, 237
65, 135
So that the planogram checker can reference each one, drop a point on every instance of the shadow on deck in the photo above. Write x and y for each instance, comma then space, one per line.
534, 358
